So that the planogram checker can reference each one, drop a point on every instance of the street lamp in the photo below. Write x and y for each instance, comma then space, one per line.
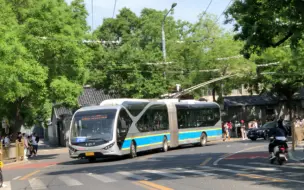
163, 31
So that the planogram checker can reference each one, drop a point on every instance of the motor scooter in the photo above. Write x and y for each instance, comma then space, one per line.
280, 153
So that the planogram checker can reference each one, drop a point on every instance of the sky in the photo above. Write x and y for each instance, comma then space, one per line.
185, 10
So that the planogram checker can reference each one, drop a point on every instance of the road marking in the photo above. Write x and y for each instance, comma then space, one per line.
16, 178
284, 166
69, 181
6, 185
143, 186
206, 161
37, 184
215, 163
163, 173
253, 168
195, 172
253, 176
154, 185
29, 175
102, 178
137, 177
221, 169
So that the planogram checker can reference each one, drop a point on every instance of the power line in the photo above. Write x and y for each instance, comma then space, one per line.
218, 18
207, 7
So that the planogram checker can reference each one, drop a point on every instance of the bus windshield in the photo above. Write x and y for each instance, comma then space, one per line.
94, 125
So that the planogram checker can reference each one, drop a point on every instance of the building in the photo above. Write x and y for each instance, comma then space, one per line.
242, 91
58, 128
262, 107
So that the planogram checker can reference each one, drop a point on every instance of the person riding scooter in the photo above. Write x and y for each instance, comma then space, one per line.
280, 134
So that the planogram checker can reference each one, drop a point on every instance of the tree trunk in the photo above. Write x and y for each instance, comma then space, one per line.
17, 122
213, 94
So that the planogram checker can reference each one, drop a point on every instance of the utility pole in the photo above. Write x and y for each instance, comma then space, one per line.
163, 31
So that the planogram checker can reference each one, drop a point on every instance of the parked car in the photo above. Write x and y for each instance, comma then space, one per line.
266, 130
261, 132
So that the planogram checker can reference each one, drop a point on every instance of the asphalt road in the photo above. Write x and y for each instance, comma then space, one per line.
230, 165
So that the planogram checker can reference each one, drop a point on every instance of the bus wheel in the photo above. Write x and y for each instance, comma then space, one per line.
165, 145
203, 140
133, 152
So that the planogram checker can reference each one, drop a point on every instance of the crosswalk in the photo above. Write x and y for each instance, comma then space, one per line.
74, 180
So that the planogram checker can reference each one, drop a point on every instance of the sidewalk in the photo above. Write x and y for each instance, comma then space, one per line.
43, 149
298, 154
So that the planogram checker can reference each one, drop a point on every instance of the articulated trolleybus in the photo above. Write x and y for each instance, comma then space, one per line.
127, 126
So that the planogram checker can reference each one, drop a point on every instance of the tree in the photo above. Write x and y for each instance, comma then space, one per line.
270, 26
124, 68
267, 23
22, 79
48, 50
208, 53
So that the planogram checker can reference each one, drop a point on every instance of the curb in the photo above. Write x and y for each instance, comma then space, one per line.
231, 140
294, 158
15, 163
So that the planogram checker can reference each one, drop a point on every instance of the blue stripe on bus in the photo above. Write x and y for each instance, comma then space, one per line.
197, 134
148, 140
157, 139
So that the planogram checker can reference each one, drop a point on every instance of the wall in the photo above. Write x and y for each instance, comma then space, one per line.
52, 132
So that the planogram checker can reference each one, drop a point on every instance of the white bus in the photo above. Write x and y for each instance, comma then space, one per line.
127, 126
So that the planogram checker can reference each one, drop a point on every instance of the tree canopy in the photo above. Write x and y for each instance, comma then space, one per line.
267, 23
41, 52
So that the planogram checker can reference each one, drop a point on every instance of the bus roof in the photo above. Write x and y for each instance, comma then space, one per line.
90, 108
197, 104
121, 101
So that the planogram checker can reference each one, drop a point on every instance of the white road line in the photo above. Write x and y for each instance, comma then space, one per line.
284, 166
134, 176
215, 163
253, 168
6, 185
102, 178
195, 172
163, 173
36, 183
16, 178
69, 181
222, 170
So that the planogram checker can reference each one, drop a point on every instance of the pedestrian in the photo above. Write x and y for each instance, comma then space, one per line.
35, 140
229, 129
26, 146
243, 129
226, 131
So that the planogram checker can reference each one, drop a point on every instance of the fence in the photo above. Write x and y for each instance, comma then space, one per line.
14, 151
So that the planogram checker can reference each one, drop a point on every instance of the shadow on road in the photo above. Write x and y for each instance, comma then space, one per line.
189, 162
44, 157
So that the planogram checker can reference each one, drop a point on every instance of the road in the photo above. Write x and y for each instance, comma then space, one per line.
226, 165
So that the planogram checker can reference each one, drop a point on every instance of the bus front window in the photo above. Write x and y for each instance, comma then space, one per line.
93, 126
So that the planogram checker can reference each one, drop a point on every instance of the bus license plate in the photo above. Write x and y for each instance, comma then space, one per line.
89, 154
1, 164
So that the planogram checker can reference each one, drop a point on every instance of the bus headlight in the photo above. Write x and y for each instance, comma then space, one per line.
109, 146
